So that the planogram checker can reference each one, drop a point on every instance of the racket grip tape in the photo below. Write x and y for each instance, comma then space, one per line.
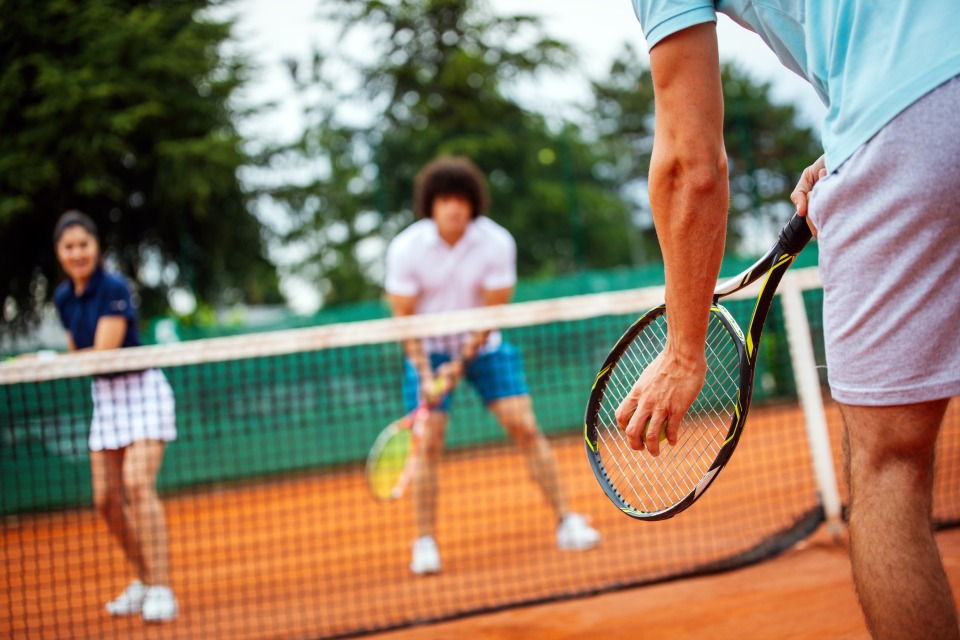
795, 235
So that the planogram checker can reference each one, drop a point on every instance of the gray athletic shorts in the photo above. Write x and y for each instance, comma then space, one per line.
889, 235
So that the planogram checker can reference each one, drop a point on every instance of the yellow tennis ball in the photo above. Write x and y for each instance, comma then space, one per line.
663, 432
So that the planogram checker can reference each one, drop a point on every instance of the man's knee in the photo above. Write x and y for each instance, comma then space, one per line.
523, 430
107, 503
897, 439
434, 436
902, 430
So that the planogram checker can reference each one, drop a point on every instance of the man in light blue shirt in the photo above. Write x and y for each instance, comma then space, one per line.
884, 201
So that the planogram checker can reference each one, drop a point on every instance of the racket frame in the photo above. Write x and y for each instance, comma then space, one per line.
415, 422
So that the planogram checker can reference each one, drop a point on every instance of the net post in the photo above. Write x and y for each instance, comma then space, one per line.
808, 387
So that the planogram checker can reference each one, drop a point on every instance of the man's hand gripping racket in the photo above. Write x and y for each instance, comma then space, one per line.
395, 454
658, 487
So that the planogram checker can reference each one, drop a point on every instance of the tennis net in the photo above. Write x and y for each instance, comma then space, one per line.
273, 533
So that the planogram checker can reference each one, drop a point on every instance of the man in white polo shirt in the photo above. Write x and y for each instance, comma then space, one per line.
456, 258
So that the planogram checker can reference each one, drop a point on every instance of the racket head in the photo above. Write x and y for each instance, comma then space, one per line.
388, 459
655, 488
394, 456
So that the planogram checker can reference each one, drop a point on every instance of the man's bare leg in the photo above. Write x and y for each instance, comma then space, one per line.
424, 484
515, 414
900, 580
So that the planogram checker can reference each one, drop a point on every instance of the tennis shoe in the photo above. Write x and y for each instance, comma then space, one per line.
159, 605
426, 556
573, 533
130, 601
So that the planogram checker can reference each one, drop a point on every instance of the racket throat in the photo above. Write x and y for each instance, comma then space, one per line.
706, 481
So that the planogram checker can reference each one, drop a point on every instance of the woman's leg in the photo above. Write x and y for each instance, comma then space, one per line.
141, 464
106, 468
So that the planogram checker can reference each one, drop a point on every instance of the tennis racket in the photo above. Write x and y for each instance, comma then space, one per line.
656, 488
395, 453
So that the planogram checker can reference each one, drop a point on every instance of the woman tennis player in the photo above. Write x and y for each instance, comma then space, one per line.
133, 418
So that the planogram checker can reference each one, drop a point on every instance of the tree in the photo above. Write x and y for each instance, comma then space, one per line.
622, 121
123, 109
436, 81
766, 147
767, 152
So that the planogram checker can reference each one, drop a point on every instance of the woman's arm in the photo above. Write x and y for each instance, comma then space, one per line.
110, 333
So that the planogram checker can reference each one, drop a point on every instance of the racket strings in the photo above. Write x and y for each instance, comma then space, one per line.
387, 459
654, 484
633, 471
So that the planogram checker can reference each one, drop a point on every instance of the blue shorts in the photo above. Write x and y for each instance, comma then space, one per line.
494, 375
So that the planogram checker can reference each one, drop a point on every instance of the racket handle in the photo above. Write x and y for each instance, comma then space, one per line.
795, 235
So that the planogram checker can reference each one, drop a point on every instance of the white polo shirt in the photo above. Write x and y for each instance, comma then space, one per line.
450, 278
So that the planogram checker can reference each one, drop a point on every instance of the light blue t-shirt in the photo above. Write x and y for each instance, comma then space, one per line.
867, 60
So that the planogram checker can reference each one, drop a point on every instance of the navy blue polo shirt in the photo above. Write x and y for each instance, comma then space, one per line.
106, 294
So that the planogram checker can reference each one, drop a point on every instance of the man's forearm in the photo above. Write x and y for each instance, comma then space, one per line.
415, 353
690, 213
689, 192
472, 345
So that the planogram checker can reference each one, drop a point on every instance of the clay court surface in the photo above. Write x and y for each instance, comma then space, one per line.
804, 593
312, 556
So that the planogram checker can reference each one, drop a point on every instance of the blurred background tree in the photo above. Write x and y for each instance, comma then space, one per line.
766, 147
123, 109
128, 111
767, 152
440, 77
436, 80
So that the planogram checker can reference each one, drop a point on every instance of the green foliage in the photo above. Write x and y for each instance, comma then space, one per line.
436, 81
766, 148
437, 78
122, 109
767, 152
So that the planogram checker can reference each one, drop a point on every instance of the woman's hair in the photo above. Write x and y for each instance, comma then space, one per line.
450, 176
73, 218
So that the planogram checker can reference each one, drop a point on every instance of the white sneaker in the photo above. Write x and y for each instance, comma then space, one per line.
130, 601
426, 556
573, 532
159, 605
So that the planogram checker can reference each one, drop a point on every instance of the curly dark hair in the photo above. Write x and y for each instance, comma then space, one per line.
450, 175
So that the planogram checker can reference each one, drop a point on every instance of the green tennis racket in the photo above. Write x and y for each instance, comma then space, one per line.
395, 453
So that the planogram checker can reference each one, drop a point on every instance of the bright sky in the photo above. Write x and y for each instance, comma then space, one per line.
274, 30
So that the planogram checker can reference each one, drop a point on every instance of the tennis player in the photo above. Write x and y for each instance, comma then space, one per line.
885, 203
133, 418
457, 258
